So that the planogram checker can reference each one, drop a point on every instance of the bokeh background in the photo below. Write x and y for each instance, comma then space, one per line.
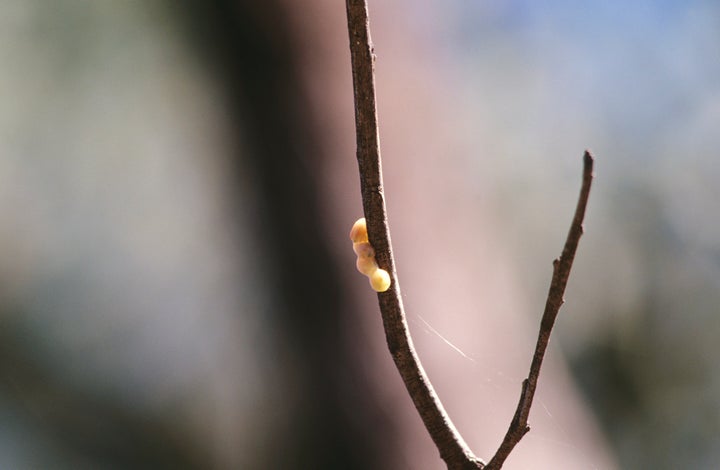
177, 180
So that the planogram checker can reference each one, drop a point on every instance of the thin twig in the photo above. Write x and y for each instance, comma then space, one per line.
453, 449
561, 271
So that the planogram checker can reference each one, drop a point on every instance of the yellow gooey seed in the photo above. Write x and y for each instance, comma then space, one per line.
380, 280
366, 264
364, 250
358, 233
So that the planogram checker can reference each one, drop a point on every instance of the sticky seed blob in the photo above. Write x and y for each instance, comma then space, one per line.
366, 264
380, 280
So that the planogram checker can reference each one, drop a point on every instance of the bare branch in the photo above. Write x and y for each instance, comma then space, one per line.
561, 271
453, 449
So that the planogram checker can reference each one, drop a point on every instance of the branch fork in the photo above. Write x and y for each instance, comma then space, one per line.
453, 449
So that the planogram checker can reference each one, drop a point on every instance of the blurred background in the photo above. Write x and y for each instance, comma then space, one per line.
177, 181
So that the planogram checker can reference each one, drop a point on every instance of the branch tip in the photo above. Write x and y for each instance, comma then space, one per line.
555, 299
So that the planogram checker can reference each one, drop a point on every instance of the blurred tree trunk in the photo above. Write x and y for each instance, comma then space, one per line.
254, 47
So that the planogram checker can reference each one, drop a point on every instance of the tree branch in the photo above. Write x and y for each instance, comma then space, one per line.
561, 272
453, 449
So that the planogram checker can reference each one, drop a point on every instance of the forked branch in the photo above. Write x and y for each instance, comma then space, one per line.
453, 449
